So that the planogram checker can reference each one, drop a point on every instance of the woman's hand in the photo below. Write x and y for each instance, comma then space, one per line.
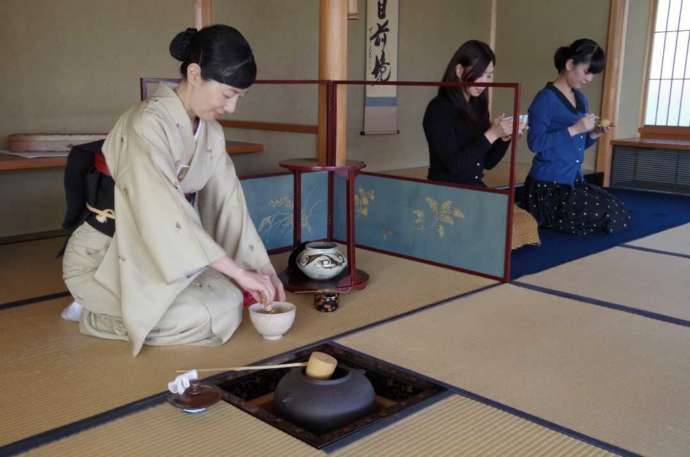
501, 127
586, 123
277, 284
260, 286
599, 131
522, 127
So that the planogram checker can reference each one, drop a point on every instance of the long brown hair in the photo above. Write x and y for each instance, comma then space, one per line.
474, 56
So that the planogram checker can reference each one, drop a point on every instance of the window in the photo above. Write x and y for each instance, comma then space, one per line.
668, 86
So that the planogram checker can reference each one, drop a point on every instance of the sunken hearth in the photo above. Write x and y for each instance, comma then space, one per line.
396, 391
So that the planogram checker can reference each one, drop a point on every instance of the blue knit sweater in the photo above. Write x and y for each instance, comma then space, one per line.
558, 156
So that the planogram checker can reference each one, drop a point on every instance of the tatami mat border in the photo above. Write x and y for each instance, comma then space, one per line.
655, 251
510, 410
28, 301
73, 428
605, 304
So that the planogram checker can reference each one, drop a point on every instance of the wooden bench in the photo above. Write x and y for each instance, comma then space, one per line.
14, 163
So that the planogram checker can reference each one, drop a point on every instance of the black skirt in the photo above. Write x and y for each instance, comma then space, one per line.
580, 209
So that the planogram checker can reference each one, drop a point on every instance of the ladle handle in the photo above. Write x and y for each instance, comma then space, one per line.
256, 367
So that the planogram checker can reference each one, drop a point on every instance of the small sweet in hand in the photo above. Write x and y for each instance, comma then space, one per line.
604, 123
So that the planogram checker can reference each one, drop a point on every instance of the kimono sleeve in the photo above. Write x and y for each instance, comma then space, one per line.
224, 214
167, 224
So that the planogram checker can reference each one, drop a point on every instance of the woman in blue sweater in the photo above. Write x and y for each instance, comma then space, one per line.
560, 129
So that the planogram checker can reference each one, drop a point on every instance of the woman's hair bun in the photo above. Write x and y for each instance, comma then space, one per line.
181, 45
561, 57
563, 51
581, 51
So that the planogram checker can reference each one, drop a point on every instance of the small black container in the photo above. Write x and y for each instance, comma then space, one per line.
323, 405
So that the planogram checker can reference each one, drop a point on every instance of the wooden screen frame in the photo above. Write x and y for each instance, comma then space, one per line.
610, 97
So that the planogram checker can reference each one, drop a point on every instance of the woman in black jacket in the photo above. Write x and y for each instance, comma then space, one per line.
463, 142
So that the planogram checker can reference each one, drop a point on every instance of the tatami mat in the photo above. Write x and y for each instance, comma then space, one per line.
617, 377
675, 240
460, 426
30, 269
647, 281
55, 376
164, 431
455, 426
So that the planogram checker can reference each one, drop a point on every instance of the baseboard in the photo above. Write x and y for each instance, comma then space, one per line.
32, 236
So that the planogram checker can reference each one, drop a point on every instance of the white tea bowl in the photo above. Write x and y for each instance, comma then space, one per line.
272, 325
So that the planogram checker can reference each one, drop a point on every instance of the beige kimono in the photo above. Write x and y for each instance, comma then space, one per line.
151, 283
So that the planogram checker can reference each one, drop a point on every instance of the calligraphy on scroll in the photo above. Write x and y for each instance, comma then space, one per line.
381, 102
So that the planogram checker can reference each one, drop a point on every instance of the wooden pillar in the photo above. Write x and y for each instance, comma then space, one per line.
333, 66
615, 50
202, 13
493, 15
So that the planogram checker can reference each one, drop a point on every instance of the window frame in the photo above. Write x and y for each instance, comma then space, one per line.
653, 130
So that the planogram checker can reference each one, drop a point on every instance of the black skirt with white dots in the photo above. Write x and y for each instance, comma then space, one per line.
580, 209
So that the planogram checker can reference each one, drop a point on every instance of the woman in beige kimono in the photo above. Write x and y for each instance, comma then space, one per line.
184, 245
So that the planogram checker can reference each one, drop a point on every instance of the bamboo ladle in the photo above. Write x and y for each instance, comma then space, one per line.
319, 366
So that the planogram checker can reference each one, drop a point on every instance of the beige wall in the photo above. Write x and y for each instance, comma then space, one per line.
284, 37
528, 34
430, 32
72, 66
75, 66
633, 69
285, 41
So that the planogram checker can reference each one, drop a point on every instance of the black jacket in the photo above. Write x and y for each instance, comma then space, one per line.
458, 152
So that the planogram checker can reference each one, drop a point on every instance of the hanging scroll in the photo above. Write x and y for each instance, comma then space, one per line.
381, 102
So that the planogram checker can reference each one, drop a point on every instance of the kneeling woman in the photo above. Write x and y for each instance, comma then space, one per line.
463, 142
560, 129
184, 245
